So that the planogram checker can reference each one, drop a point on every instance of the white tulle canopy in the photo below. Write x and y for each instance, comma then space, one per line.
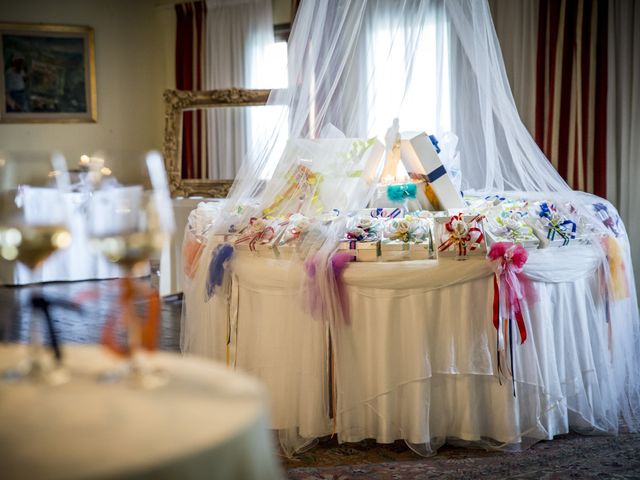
436, 66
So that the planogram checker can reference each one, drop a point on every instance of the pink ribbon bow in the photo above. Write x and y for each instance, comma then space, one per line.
511, 290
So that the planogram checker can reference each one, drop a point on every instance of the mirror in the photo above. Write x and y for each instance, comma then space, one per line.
177, 102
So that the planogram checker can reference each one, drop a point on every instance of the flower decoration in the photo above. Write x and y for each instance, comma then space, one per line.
408, 229
365, 230
356, 233
512, 227
295, 227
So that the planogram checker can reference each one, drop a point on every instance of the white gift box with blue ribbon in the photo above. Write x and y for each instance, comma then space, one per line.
421, 160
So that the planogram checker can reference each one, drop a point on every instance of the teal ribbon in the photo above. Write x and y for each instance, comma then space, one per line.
398, 193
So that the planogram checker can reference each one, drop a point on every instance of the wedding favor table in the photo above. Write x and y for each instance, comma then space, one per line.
417, 360
207, 422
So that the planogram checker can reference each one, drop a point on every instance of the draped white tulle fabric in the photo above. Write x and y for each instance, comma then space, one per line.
238, 33
421, 341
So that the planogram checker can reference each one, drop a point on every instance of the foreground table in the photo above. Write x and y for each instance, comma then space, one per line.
207, 422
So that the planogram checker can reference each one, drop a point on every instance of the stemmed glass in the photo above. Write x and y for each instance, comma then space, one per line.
33, 225
130, 225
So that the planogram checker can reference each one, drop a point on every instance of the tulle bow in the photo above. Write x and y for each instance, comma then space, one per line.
512, 290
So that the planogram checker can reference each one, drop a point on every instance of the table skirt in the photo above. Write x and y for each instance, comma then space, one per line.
418, 359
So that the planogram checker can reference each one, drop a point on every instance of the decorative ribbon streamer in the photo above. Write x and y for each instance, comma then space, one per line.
340, 261
191, 250
299, 179
511, 290
39, 302
463, 240
321, 292
217, 267
257, 231
617, 269
147, 326
385, 212
603, 212
434, 141
430, 177
495, 199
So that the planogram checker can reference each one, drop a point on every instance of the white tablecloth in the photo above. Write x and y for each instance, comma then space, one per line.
207, 422
418, 361
77, 262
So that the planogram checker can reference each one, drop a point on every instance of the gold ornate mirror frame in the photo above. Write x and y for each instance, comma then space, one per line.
178, 101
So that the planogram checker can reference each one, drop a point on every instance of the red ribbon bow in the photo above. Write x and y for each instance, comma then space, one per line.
253, 236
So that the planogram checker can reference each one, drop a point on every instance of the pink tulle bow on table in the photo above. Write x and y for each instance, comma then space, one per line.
512, 290
328, 290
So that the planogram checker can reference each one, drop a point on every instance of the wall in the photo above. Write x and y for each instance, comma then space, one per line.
131, 70
281, 11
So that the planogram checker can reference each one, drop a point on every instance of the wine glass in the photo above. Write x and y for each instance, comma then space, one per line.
139, 223
33, 225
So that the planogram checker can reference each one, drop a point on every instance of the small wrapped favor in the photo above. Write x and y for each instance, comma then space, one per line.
258, 235
550, 226
294, 232
363, 239
459, 236
511, 226
609, 219
406, 239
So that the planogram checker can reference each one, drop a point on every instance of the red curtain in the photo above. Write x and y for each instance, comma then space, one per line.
190, 47
571, 90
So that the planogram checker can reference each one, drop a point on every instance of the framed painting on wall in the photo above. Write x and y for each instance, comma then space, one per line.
48, 73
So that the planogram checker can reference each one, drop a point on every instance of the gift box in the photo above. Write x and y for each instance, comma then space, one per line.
361, 251
421, 160
420, 251
406, 238
459, 236
394, 250
552, 227
298, 184
511, 226
363, 236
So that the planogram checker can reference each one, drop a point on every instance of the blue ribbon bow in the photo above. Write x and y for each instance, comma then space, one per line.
434, 141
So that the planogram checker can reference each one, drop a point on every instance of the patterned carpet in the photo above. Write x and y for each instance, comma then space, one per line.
568, 456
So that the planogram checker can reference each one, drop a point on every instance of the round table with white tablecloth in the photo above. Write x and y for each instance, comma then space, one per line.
207, 422
418, 359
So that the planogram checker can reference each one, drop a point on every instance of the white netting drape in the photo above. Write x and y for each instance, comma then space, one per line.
354, 66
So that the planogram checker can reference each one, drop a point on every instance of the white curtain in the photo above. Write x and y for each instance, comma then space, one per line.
238, 35
623, 117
